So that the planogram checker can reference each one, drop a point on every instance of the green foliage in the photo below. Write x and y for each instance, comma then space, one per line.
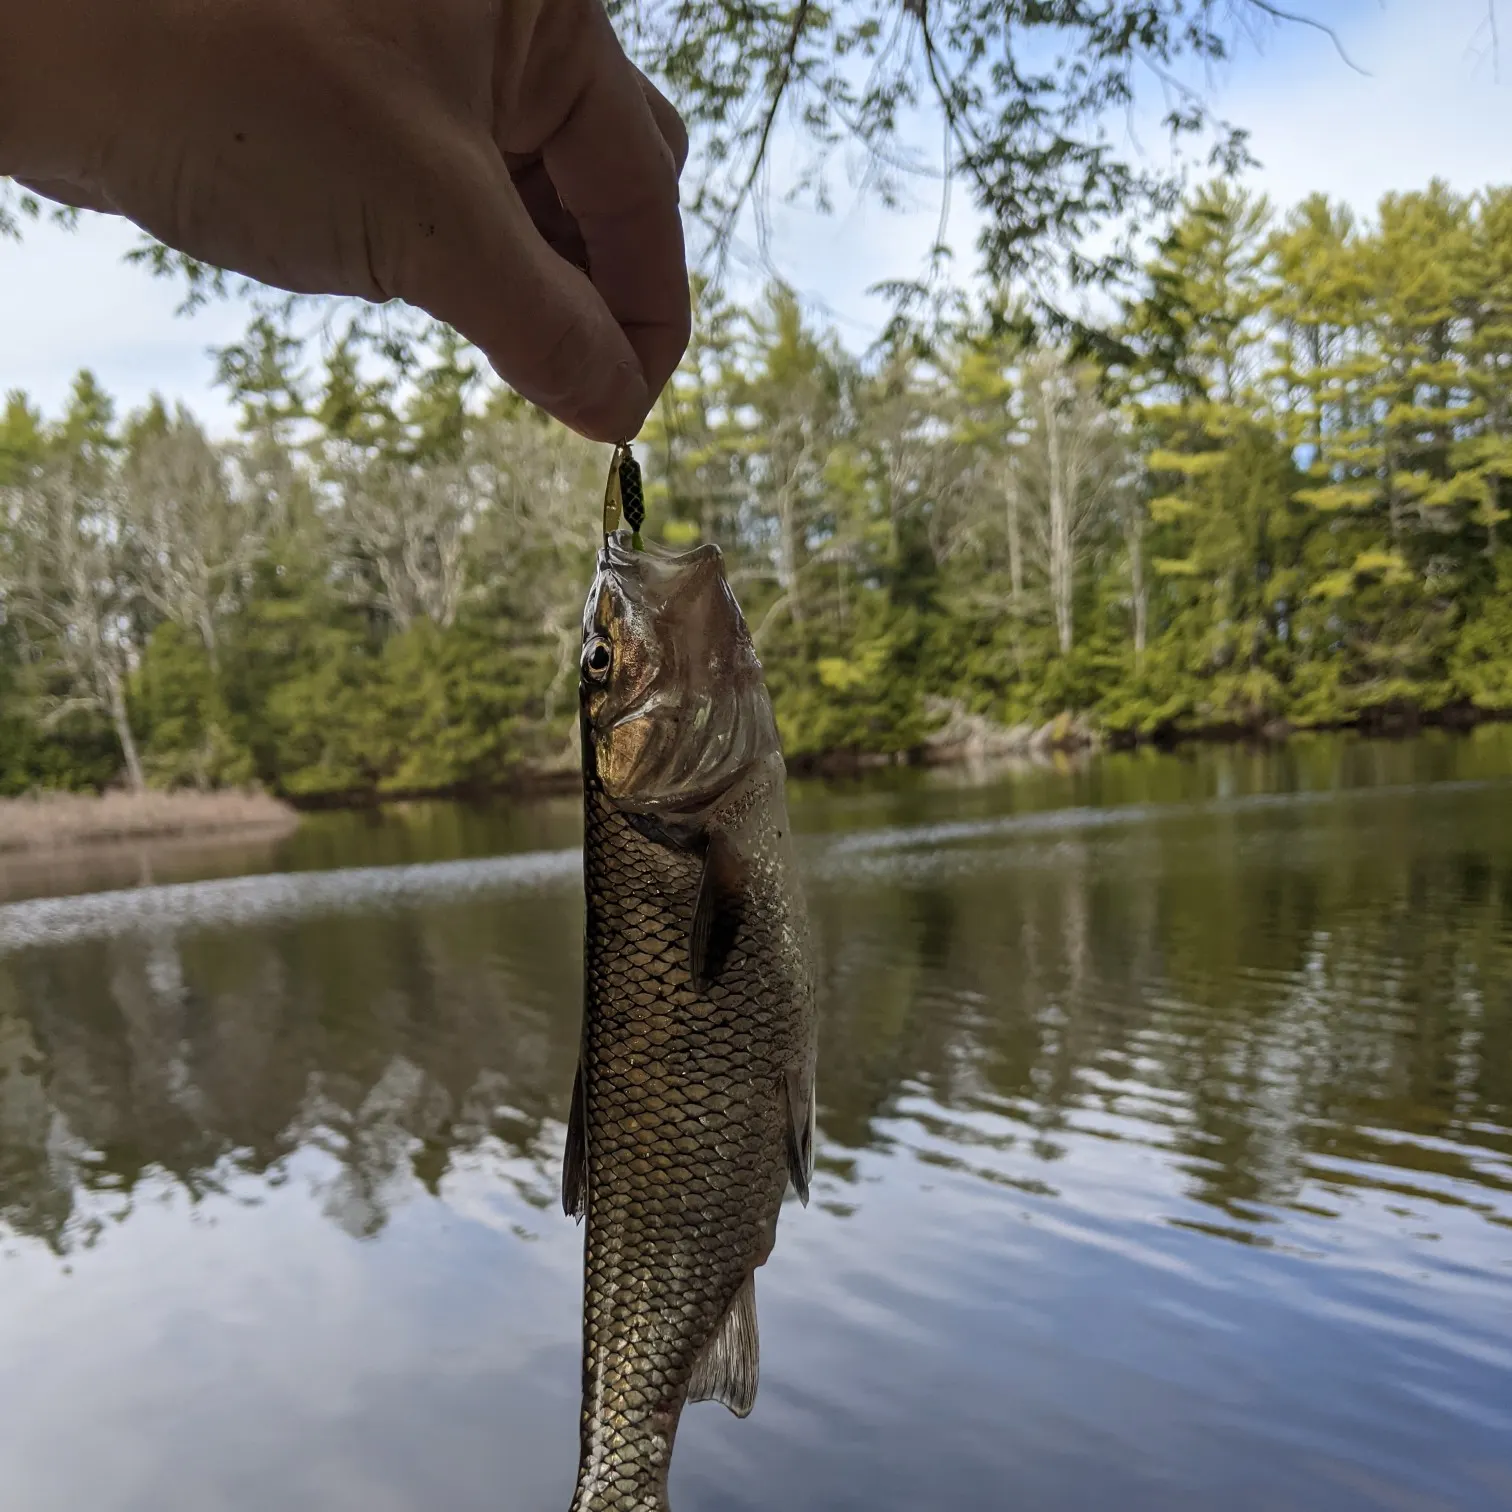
23, 443
860, 697
460, 708
179, 706
1278, 494
1480, 665
76, 753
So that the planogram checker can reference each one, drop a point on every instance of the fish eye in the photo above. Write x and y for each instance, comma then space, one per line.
598, 657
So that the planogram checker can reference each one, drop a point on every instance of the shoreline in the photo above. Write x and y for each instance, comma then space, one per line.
970, 741
50, 824
58, 823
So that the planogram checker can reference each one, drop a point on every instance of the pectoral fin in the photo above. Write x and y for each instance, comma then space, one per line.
729, 1367
800, 1131
716, 912
660, 829
575, 1162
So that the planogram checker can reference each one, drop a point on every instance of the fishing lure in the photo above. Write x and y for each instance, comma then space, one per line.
624, 495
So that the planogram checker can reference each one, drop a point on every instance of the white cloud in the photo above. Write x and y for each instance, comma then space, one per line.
1432, 104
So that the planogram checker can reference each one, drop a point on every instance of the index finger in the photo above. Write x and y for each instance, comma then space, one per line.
617, 178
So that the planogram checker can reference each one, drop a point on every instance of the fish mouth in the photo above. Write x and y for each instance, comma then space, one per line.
684, 595
652, 568
687, 711
619, 550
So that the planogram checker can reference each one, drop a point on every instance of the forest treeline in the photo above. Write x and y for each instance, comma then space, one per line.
1271, 488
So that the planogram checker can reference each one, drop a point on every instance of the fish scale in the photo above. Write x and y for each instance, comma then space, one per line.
684, 1115
693, 1105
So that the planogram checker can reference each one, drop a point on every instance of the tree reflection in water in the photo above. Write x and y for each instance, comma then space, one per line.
1164, 1159
1287, 1000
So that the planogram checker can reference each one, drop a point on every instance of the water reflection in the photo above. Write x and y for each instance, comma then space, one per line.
1166, 1156
390, 1038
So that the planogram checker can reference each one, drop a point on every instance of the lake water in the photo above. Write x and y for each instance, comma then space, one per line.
1166, 1156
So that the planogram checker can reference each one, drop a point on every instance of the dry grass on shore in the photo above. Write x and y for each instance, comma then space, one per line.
52, 821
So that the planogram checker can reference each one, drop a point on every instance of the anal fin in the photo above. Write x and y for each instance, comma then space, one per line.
801, 1112
575, 1161
729, 1367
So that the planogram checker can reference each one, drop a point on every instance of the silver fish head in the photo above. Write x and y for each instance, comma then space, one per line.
674, 708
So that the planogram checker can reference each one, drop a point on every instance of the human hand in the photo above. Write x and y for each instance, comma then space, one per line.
498, 163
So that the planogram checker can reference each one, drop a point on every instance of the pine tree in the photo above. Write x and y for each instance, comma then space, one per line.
354, 412
23, 444
436, 416
1196, 372
1481, 457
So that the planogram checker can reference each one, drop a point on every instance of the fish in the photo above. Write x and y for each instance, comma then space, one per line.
693, 1106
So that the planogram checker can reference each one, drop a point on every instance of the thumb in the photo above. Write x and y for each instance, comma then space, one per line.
471, 256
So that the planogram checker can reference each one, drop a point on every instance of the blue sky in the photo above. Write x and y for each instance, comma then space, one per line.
1433, 102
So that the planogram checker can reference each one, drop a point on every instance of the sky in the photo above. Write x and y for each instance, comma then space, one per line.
1435, 99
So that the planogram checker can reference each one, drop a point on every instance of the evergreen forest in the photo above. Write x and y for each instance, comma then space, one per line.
1270, 490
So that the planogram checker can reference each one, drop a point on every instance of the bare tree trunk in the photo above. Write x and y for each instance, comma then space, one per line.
789, 549
1015, 574
122, 722
1135, 538
209, 640
1015, 550
1060, 523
